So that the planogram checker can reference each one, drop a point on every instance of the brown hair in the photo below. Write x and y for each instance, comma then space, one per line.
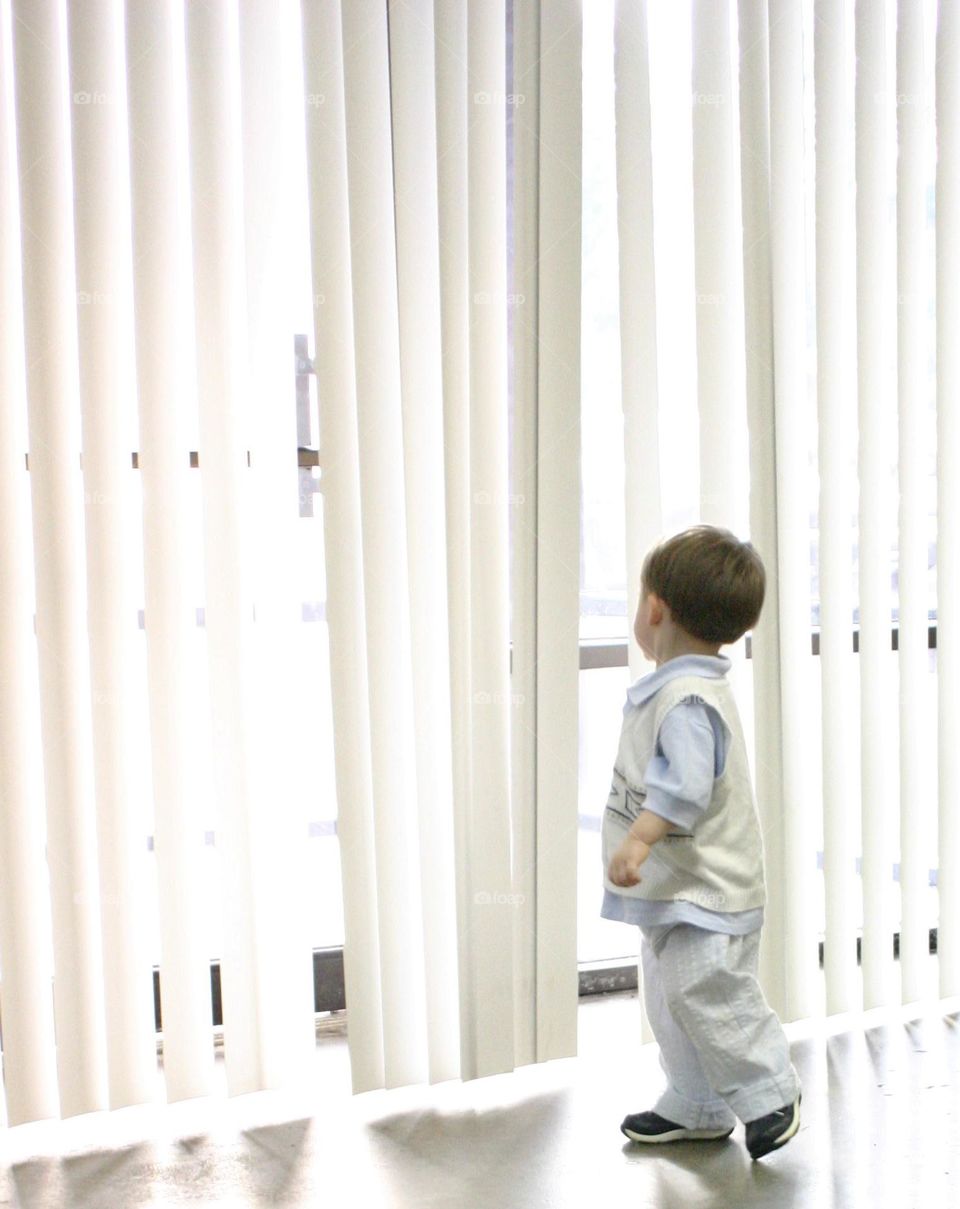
712, 582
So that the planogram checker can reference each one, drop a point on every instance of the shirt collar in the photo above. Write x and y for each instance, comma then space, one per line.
713, 666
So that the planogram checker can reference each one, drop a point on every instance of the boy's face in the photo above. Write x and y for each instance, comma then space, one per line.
649, 616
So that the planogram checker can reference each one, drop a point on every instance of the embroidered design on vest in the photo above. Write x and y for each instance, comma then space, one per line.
633, 799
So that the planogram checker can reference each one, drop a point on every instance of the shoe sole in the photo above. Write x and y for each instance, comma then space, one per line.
787, 1134
678, 1135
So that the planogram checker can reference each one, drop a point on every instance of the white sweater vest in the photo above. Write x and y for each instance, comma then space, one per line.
720, 864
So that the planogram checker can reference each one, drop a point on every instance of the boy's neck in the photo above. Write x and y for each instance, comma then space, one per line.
684, 644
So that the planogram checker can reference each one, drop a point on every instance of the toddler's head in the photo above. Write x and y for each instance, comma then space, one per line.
712, 583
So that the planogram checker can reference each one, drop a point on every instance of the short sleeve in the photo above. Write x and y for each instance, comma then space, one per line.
690, 754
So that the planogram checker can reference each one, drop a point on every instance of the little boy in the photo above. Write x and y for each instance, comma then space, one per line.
683, 854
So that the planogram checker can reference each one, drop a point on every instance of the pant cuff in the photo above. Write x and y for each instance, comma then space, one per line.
691, 1114
751, 1103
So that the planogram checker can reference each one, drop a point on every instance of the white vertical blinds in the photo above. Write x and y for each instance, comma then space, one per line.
488, 953
220, 305
948, 491
103, 258
638, 314
146, 264
385, 539
50, 345
413, 93
849, 327
638, 299
339, 469
432, 893
557, 521
26, 953
523, 485
273, 135
165, 391
755, 134
160, 145
876, 375
837, 452
148, 197
791, 418
914, 353
453, 109
718, 284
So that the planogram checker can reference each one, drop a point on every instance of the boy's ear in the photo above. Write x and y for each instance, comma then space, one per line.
656, 609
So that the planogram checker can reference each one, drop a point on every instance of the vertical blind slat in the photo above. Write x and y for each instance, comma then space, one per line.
558, 524
837, 425
220, 307
412, 83
948, 491
792, 424
376, 341
876, 309
50, 336
26, 1001
490, 955
638, 312
104, 275
758, 323
523, 578
914, 349
339, 471
271, 104
164, 347
638, 302
718, 292
450, 17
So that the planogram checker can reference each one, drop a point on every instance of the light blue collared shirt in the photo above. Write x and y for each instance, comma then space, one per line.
691, 752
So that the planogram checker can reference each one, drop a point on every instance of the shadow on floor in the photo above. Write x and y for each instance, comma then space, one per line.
78, 1181
558, 1149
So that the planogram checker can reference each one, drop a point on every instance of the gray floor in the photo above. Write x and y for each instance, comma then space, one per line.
881, 1127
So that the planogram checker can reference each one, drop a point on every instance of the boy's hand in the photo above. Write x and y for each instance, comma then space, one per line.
627, 860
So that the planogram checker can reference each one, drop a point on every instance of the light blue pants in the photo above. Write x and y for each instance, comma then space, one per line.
722, 1047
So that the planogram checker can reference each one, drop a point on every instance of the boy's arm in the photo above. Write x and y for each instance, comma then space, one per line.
680, 784
690, 754
645, 830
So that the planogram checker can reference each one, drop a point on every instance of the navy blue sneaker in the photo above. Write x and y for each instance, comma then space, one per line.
650, 1127
769, 1132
